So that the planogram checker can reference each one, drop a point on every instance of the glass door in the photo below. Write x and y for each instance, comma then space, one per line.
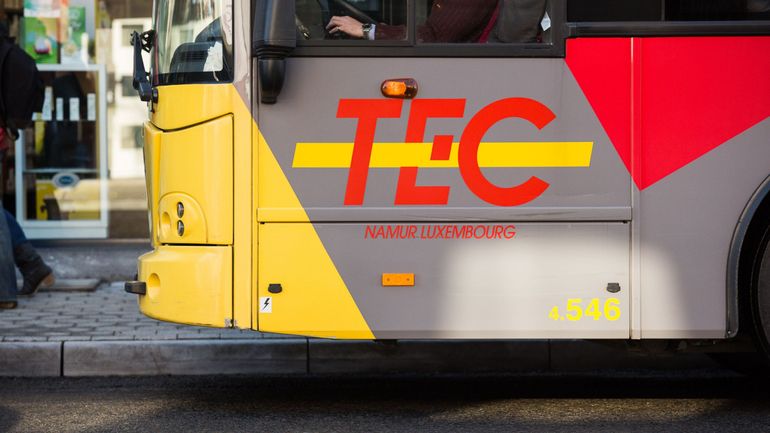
61, 160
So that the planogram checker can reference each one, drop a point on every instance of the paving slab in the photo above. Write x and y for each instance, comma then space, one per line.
112, 261
191, 357
107, 311
71, 285
30, 359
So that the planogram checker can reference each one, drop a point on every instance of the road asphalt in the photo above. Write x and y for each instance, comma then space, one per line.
716, 401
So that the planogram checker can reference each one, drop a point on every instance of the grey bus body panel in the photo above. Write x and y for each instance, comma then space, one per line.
570, 243
686, 220
687, 225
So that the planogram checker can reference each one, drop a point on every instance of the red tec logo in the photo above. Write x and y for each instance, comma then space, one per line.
469, 155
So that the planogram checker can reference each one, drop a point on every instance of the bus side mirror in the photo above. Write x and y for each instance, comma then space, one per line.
273, 40
143, 41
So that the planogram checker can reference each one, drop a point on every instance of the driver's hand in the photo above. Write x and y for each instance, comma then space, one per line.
347, 25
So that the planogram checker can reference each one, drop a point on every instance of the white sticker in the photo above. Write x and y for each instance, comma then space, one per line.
59, 109
74, 109
546, 23
48, 104
91, 101
215, 59
266, 304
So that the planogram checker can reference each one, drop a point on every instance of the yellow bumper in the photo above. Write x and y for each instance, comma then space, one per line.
188, 284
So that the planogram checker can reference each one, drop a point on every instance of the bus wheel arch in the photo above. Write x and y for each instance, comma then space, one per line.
748, 271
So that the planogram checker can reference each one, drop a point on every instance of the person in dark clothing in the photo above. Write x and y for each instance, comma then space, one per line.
33, 269
449, 21
518, 21
21, 253
14, 247
7, 273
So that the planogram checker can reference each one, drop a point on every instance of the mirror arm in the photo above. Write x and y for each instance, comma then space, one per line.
140, 82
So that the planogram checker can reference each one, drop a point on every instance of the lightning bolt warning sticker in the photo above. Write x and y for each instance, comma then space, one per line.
266, 304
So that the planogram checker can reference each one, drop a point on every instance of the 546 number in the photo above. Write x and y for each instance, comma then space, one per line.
594, 309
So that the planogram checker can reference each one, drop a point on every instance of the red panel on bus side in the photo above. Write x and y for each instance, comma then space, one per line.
696, 93
602, 68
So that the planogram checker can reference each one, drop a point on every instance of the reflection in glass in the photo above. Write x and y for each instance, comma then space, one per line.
481, 21
61, 153
438, 21
193, 41
344, 19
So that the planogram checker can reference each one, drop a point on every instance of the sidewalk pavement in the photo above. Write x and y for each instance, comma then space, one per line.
102, 333
105, 314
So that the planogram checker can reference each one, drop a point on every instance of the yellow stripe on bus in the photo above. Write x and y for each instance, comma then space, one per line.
491, 154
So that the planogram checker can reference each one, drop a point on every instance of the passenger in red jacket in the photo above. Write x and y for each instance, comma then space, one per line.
448, 21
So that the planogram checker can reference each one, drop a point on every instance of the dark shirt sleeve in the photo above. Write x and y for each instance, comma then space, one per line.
389, 33
449, 21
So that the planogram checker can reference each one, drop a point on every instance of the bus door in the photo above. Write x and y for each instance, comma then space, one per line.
409, 186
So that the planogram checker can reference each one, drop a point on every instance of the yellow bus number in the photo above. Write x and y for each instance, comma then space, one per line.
575, 311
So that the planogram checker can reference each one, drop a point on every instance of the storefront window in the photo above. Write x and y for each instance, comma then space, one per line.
58, 161
78, 171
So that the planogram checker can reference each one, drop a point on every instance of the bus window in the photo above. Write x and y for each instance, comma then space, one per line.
351, 19
481, 21
193, 42
437, 21
692, 10
667, 10
455, 20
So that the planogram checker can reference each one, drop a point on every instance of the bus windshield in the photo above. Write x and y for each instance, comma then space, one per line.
193, 41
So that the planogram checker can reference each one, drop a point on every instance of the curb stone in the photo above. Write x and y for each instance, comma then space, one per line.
299, 356
188, 357
30, 359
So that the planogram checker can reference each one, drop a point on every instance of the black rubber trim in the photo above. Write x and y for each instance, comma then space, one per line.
436, 50
671, 28
179, 78
136, 287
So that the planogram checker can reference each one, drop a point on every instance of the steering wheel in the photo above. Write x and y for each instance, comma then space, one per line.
352, 11
341, 7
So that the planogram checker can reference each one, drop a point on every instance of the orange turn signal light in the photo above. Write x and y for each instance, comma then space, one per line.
396, 280
401, 88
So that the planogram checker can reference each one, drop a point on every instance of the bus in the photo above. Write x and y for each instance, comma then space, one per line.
438, 169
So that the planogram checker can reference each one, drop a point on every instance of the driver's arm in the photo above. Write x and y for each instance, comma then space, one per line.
449, 21
348, 25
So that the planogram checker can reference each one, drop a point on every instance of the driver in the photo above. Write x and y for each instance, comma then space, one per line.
448, 21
